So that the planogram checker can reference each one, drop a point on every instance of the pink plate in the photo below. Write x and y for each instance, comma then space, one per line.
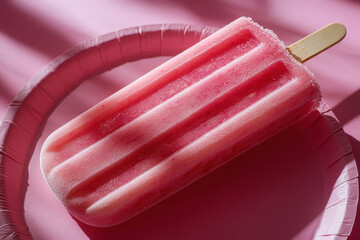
300, 184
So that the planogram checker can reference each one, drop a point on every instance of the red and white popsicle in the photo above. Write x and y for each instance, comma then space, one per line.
202, 108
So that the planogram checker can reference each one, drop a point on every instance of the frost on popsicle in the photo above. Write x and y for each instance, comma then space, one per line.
177, 123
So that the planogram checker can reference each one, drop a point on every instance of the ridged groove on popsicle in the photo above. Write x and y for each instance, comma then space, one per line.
218, 138
183, 133
278, 69
123, 113
87, 162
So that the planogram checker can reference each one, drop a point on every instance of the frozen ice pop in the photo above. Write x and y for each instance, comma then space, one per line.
197, 111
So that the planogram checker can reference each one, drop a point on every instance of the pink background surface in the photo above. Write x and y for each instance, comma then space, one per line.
32, 34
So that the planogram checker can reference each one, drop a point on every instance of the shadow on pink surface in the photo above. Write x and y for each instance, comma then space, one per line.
36, 33
31, 30
223, 12
348, 108
217, 9
6, 94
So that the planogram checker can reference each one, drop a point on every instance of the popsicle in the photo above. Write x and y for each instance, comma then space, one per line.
217, 99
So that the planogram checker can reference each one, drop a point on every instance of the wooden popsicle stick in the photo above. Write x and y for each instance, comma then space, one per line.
315, 43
